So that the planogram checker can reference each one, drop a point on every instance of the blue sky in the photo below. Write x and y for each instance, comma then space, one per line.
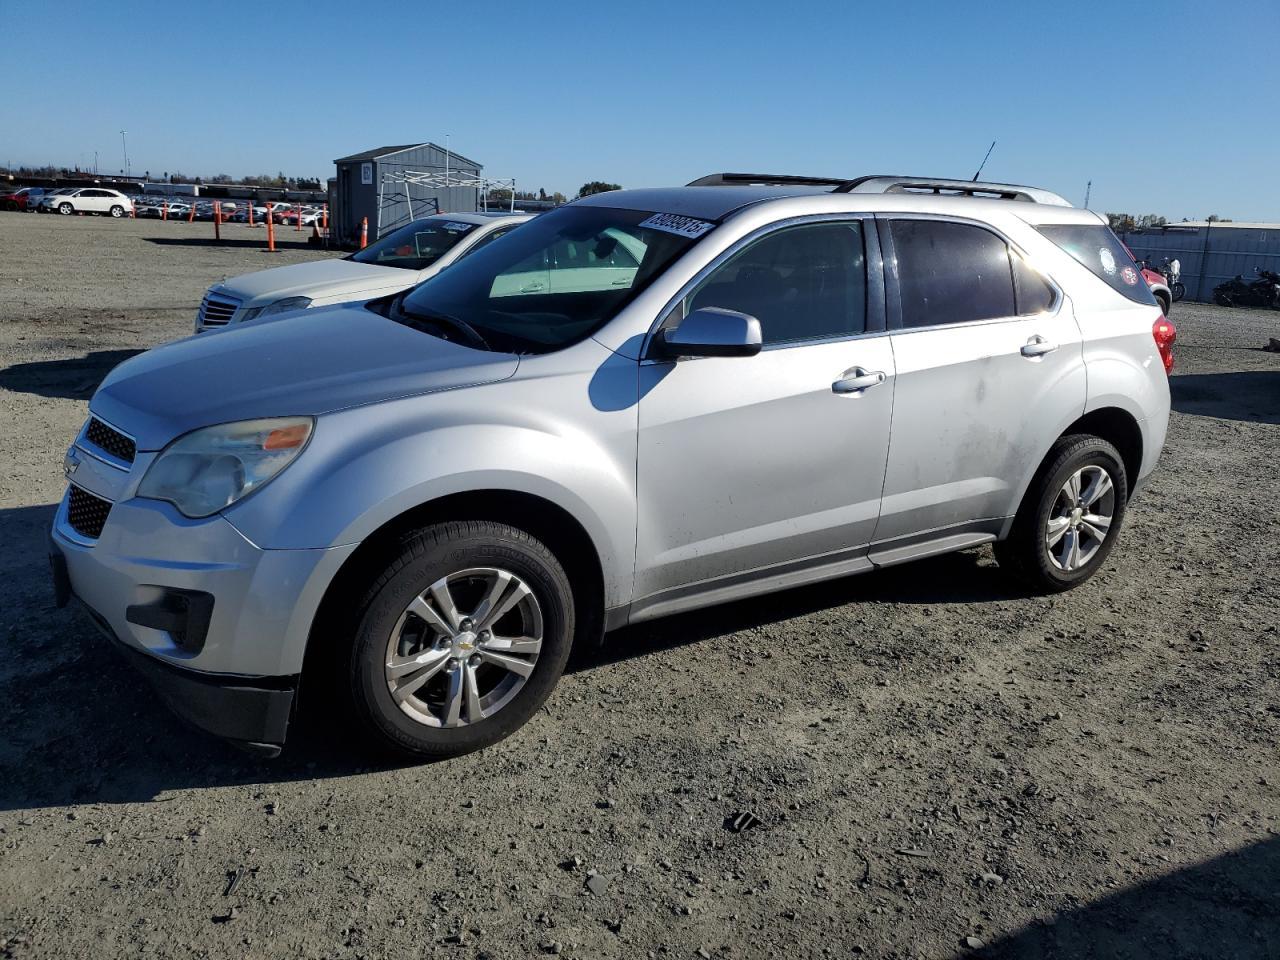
1167, 107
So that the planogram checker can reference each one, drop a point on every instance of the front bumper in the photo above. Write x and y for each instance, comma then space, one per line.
228, 653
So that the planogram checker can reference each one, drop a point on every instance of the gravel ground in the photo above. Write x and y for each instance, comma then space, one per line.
940, 764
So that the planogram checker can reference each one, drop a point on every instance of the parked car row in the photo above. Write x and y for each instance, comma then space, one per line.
105, 201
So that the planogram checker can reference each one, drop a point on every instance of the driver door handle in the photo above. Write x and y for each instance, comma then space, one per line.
856, 380
1038, 346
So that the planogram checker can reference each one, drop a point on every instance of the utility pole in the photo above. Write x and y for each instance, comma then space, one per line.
1088, 188
124, 146
95, 163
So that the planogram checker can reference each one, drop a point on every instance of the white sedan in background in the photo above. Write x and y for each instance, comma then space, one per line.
401, 259
89, 200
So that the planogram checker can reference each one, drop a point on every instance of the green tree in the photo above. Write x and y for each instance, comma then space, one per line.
597, 186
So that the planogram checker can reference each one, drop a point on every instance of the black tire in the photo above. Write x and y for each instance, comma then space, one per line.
1164, 302
118, 211
1025, 554
1221, 299
1179, 290
10, 205
432, 553
66, 209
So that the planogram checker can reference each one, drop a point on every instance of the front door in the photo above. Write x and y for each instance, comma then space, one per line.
760, 467
990, 368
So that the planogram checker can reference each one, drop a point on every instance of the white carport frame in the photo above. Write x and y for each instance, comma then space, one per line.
395, 179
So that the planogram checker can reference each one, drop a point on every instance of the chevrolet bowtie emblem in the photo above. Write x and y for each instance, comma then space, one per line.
70, 463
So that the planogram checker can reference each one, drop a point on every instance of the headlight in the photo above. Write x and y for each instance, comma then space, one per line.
280, 306
206, 470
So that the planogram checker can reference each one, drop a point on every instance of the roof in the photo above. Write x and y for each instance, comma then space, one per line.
717, 203
378, 153
480, 217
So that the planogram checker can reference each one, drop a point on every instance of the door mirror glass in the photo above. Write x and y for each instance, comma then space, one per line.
712, 332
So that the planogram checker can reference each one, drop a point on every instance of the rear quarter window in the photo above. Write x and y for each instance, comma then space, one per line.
1102, 253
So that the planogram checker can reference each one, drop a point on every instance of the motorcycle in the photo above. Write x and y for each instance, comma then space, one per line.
1172, 270
1262, 292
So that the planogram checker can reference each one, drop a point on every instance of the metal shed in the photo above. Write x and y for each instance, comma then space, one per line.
1209, 252
354, 192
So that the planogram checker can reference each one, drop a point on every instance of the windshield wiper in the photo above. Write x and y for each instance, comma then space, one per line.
416, 320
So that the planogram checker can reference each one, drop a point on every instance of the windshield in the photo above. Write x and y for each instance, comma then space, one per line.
557, 279
416, 245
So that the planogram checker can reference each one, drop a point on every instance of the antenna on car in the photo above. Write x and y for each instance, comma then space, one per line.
984, 161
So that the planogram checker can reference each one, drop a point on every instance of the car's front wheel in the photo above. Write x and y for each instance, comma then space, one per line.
66, 209
1070, 517
460, 640
118, 211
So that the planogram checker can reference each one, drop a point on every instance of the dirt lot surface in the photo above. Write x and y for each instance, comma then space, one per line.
941, 765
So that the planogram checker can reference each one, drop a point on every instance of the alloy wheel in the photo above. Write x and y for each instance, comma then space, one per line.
464, 647
1080, 518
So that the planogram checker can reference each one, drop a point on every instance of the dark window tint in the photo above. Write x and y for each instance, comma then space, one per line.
951, 273
1097, 248
488, 238
1034, 295
801, 283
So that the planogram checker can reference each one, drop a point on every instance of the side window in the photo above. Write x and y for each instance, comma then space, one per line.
1034, 295
487, 239
951, 273
802, 283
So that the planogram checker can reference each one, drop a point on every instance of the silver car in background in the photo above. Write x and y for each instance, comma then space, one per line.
640, 403
401, 259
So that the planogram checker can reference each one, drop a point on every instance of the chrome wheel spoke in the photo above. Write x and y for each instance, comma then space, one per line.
475, 712
1056, 528
1097, 531
444, 601
498, 587
511, 645
424, 611
414, 681
514, 664
1072, 489
454, 695
1071, 551
1099, 486
502, 607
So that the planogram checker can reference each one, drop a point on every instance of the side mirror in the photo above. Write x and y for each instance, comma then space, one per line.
712, 332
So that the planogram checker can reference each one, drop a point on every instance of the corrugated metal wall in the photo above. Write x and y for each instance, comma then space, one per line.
354, 199
1209, 255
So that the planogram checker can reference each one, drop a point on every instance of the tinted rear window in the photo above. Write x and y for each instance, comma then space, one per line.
951, 273
1101, 251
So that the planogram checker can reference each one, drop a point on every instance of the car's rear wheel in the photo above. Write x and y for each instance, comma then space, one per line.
118, 211
1070, 517
1164, 302
460, 640
66, 209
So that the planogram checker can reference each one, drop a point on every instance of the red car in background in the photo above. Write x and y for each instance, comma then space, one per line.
24, 198
1156, 281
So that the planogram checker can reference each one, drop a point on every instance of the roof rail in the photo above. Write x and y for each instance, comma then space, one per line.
963, 188
765, 180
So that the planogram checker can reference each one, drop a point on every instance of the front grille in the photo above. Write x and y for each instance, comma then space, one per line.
86, 513
217, 309
111, 440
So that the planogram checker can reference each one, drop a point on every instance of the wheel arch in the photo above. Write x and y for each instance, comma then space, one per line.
549, 522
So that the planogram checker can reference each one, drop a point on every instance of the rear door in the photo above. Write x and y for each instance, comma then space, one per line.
989, 367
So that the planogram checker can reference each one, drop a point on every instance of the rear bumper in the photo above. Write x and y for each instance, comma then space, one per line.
250, 712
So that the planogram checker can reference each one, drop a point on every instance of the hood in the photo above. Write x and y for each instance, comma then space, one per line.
316, 279
306, 364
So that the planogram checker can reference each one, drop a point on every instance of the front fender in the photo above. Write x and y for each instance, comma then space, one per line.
366, 466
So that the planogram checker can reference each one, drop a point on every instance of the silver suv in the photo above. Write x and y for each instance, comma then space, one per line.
640, 403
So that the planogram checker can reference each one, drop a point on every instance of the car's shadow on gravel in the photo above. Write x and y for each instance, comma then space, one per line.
75, 378
952, 578
1249, 395
1225, 907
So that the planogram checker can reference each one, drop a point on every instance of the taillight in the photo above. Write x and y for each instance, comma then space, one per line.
1164, 333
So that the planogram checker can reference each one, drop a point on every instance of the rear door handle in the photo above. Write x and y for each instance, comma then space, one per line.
856, 380
1038, 346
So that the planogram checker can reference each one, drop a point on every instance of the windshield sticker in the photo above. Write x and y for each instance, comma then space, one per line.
1130, 276
1108, 261
456, 227
674, 223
